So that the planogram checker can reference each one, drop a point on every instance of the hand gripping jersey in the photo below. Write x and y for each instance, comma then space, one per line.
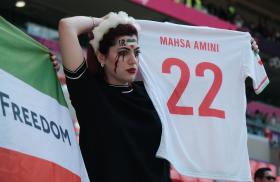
195, 77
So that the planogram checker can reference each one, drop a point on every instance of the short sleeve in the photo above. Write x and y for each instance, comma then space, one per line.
253, 67
77, 83
78, 73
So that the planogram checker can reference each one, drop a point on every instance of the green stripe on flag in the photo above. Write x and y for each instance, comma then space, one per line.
15, 32
28, 60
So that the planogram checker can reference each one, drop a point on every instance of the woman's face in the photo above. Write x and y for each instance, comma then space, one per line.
121, 63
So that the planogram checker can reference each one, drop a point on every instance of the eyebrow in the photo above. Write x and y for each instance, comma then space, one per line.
125, 48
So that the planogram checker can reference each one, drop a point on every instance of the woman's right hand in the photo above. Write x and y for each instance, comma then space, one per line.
54, 61
97, 21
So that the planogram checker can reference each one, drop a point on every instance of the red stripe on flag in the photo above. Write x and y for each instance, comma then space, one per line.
19, 167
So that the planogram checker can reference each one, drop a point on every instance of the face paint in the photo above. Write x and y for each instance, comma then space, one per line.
131, 42
124, 42
116, 63
127, 42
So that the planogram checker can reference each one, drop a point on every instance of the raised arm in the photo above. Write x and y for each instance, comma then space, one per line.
69, 29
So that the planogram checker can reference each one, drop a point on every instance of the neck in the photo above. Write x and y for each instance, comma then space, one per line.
115, 82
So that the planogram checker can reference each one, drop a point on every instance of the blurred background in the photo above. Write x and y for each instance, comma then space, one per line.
39, 19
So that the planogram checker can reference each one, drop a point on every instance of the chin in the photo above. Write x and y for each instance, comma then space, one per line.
131, 79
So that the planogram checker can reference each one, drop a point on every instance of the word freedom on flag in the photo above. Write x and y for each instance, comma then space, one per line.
30, 118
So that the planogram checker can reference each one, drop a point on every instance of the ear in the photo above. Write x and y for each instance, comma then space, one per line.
100, 57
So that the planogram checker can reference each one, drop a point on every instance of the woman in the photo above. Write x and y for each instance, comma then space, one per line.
120, 129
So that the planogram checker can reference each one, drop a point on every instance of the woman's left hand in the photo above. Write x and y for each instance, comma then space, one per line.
255, 46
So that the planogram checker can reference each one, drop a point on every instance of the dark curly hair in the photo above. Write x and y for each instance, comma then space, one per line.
260, 172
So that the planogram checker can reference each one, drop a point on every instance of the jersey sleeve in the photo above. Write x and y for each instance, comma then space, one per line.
78, 73
253, 67
77, 83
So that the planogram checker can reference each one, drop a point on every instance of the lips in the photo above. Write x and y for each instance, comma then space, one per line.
131, 70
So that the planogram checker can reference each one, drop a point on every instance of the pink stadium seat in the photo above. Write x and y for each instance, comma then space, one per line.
176, 177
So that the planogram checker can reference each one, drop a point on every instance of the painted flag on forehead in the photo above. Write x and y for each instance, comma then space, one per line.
37, 137
195, 77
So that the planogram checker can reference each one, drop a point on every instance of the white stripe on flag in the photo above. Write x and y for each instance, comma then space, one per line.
25, 116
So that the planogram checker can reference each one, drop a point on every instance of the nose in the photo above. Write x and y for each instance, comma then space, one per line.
132, 59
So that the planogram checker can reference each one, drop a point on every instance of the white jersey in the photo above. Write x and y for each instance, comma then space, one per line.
195, 77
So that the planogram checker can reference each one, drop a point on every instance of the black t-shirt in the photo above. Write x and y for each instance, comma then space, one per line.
120, 129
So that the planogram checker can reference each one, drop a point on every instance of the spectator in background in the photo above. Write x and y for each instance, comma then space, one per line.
258, 117
264, 175
265, 118
231, 11
268, 134
273, 120
238, 21
197, 4
277, 35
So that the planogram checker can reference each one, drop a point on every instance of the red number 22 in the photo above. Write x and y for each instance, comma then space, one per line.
204, 108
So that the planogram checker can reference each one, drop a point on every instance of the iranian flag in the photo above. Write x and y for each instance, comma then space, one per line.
37, 137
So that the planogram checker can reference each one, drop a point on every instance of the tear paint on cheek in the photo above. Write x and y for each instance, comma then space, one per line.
116, 63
